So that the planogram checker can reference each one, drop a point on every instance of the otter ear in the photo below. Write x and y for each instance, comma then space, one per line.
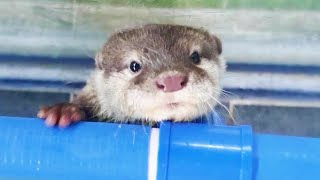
98, 59
217, 43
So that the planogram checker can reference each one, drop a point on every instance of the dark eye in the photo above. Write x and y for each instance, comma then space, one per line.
195, 57
134, 66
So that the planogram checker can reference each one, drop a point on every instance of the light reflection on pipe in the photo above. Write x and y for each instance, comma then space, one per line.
210, 146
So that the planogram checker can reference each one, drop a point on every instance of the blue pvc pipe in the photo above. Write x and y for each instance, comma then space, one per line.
198, 151
29, 150
285, 157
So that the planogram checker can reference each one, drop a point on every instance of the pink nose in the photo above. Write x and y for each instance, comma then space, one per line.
172, 83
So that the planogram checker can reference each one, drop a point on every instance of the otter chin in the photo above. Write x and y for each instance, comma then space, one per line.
150, 73
177, 113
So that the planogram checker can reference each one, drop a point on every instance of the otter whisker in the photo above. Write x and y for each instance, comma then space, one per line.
228, 92
222, 105
210, 107
224, 92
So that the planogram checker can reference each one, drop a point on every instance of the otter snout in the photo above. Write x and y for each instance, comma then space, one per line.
171, 83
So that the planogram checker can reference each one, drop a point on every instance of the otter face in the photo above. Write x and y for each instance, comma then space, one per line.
159, 72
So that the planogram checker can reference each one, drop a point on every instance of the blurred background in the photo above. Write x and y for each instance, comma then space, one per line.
272, 48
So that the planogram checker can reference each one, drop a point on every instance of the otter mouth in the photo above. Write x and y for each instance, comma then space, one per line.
173, 105
176, 111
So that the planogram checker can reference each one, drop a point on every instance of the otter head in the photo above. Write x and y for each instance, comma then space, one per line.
159, 72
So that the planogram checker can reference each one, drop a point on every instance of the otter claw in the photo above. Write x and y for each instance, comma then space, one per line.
62, 114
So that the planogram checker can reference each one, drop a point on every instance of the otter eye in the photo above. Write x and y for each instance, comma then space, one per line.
134, 66
195, 57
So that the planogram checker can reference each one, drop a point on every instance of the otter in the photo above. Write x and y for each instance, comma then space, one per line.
148, 73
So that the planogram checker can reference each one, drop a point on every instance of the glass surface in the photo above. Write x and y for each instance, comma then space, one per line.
253, 31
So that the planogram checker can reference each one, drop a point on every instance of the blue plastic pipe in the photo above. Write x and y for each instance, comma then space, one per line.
87, 150
198, 151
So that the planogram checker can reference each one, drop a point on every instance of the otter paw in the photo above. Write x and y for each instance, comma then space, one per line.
62, 114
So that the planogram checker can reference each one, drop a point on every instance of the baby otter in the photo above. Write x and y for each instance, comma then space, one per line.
148, 73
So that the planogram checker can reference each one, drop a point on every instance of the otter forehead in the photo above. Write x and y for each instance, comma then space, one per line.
159, 46
167, 37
